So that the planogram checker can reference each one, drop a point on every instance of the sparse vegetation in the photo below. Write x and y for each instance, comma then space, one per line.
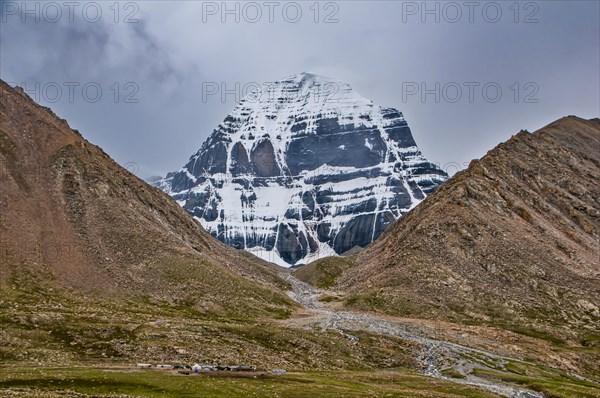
104, 382
324, 272
552, 383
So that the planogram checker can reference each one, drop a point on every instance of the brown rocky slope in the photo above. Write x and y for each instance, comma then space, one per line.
512, 241
72, 216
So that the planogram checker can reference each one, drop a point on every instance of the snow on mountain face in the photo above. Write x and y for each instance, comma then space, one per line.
304, 168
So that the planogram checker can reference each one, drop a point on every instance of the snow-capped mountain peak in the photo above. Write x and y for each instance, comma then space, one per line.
301, 168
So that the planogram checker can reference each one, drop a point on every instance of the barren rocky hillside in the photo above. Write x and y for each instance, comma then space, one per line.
511, 241
72, 216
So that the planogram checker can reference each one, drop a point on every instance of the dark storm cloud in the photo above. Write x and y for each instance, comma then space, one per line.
82, 48
545, 51
133, 71
151, 54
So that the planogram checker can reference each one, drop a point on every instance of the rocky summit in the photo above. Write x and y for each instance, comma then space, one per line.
304, 168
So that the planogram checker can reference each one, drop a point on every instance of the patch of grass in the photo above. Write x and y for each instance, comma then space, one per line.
550, 382
450, 372
375, 301
223, 292
161, 384
590, 340
531, 332
328, 299
324, 272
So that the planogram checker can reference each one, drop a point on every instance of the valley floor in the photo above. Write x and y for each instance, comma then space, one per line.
58, 345
438, 359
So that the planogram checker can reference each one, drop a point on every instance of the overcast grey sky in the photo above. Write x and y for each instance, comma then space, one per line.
151, 59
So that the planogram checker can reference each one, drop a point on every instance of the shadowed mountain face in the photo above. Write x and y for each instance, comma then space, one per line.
513, 239
71, 216
302, 169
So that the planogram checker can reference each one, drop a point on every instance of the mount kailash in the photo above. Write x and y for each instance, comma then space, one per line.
302, 168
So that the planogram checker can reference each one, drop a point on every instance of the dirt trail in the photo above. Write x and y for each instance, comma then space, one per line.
435, 357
